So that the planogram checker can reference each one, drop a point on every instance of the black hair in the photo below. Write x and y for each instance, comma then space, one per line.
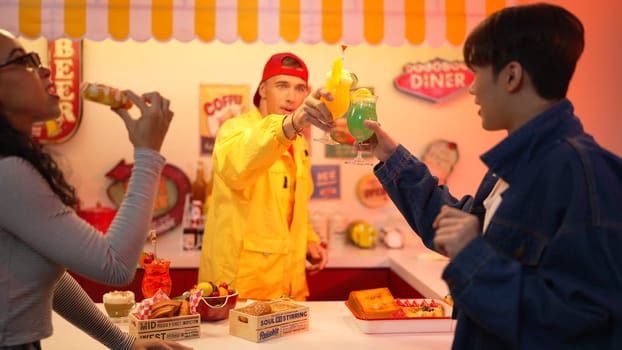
16, 143
547, 40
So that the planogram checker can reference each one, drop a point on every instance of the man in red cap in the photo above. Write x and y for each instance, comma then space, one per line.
258, 237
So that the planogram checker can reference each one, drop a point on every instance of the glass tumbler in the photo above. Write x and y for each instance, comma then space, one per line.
157, 276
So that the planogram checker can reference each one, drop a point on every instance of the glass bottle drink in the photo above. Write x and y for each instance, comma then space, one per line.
199, 185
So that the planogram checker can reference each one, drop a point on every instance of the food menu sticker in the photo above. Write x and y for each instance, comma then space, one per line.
370, 192
326, 180
217, 104
440, 156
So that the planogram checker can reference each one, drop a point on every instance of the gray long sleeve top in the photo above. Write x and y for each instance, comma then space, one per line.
40, 238
73, 304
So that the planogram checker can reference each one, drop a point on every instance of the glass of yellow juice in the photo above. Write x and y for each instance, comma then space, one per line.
339, 81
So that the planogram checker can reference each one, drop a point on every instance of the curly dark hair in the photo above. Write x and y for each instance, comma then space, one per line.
15, 143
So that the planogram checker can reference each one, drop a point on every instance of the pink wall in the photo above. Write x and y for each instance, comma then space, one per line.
594, 87
410, 120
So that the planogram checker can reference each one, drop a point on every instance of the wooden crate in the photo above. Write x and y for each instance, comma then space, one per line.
294, 318
169, 328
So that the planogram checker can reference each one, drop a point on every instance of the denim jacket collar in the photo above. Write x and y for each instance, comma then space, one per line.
518, 148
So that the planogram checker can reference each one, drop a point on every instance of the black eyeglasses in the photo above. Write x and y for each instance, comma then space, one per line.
31, 61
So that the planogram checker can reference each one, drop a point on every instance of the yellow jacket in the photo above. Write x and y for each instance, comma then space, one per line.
247, 242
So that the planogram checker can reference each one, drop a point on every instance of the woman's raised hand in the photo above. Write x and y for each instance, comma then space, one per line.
151, 127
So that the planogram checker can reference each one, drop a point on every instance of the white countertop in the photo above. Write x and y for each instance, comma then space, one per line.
332, 326
331, 323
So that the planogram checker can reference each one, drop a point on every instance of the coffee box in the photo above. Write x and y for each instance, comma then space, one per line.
289, 318
167, 328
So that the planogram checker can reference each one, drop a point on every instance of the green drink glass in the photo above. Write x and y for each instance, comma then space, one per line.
362, 107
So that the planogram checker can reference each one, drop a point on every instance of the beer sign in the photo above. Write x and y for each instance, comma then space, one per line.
65, 71
435, 80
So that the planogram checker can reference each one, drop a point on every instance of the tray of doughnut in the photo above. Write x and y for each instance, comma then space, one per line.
377, 311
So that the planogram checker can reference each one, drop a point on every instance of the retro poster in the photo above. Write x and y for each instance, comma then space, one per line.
326, 181
217, 104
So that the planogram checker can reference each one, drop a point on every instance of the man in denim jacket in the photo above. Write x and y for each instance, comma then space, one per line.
535, 254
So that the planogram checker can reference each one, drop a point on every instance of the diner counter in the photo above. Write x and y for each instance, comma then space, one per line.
331, 326
414, 263
331, 323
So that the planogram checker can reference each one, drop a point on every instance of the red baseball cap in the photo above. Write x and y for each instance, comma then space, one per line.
274, 66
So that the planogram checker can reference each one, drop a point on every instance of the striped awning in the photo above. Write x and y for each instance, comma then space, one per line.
392, 22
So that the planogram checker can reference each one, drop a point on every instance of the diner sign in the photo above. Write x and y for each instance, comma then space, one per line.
434, 80
65, 56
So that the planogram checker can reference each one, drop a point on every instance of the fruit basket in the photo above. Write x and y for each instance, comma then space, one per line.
217, 308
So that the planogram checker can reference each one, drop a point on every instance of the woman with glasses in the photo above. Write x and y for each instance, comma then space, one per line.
41, 236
